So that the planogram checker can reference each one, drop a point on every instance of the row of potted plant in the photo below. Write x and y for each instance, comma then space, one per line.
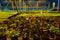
32, 26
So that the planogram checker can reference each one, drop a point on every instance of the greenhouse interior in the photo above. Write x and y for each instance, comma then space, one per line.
29, 19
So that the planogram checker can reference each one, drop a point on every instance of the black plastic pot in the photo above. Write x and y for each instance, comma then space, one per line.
14, 38
25, 38
58, 36
45, 38
2, 37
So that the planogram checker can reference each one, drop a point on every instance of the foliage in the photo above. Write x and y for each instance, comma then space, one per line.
20, 25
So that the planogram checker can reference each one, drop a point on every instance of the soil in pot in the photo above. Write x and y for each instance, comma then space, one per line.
14, 38
36, 39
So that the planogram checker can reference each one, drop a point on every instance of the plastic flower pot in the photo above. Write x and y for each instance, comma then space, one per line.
25, 38
58, 38
45, 38
2, 37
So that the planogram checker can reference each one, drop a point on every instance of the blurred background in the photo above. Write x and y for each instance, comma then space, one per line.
29, 4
